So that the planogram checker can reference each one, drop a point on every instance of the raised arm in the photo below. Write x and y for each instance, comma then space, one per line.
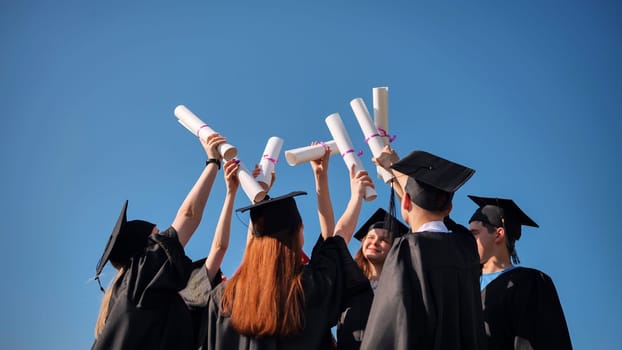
385, 160
191, 210
324, 203
220, 243
347, 222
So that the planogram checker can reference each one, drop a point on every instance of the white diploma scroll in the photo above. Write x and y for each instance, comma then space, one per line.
306, 154
381, 111
268, 160
196, 126
350, 157
249, 185
372, 137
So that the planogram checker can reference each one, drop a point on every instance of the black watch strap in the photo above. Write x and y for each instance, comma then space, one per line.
213, 160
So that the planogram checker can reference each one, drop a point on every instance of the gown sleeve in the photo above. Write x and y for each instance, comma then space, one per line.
324, 280
162, 267
199, 286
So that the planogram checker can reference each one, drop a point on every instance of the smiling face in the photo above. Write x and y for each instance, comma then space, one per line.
376, 245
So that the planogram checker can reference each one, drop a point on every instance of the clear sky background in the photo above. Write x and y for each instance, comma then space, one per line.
528, 93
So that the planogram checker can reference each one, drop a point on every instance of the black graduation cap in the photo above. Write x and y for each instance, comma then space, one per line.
127, 239
380, 219
501, 212
436, 179
272, 215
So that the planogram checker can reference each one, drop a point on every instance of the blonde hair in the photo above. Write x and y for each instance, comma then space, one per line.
104, 309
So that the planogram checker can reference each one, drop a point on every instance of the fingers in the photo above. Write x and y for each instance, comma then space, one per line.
231, 167
326, 155
363, 178
327, 151
256, 170
210, 144
215, 139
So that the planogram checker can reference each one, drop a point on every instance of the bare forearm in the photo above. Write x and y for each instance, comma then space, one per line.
191, 210
222, 234
324, 206
347, 222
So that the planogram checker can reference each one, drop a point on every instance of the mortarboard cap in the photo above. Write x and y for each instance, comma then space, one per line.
380, 219
501, 212
272, 215
436, 179
127, 239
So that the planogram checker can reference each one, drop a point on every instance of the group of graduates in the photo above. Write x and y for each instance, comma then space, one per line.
429, 284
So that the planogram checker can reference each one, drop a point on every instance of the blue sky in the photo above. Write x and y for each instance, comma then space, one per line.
527, 93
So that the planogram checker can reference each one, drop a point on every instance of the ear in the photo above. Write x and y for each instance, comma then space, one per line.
500, 235
406, 203
448, 210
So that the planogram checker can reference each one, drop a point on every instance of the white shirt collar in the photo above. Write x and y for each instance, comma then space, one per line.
433, 226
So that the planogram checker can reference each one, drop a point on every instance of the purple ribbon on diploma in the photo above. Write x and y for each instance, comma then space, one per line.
201, 127
359, 153
371, 137
384, 133
267, 156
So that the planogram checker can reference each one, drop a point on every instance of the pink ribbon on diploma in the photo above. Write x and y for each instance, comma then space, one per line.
371, 137
359, 153
267, 156
201, 127
384, 133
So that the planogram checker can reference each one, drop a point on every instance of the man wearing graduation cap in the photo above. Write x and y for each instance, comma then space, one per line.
428, 293
521, 306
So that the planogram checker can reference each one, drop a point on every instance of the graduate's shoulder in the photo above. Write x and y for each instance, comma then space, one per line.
527, 274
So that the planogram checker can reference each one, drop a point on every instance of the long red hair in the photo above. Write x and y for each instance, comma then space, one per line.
265, 296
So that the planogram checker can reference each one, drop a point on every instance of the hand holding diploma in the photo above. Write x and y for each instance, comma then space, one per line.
196, 126
386, 158
372, 137
268, 161
251, 188
309, 153
340, 135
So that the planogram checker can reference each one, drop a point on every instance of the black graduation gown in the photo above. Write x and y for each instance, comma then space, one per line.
522, 311
323, 283
146, 311
197, 290
355, 311
428, 295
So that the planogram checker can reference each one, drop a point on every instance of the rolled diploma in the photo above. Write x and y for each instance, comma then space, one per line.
253, 190
268, 159
340, 135
306, 154
373, 138
196, 126
381, 110
381, 116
